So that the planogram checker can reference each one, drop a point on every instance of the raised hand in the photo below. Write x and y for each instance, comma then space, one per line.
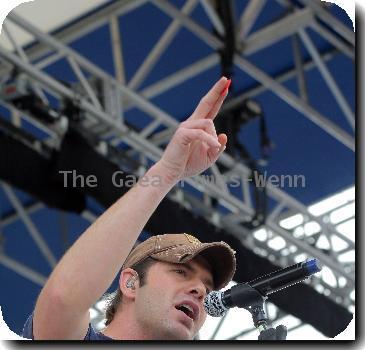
195, 145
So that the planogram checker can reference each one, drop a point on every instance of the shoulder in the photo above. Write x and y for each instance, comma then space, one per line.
90, 335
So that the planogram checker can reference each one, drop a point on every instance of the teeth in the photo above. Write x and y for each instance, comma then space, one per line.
188, 307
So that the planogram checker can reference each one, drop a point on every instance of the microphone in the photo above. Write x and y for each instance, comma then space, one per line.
217, 303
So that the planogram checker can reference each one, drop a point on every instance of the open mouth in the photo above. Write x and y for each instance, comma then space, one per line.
187, 310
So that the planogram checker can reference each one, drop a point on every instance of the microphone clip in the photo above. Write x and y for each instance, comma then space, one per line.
253, 302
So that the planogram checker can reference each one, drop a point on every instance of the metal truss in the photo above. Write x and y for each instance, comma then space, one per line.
104, 117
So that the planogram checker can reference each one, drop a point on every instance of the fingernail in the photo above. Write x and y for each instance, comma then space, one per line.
226, 87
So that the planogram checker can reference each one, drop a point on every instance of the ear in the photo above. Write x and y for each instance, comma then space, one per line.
127, 277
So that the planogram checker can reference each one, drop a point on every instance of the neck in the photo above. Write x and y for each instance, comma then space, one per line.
125, 327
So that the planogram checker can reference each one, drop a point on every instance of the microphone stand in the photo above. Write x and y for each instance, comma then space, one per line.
252, 296
254, 303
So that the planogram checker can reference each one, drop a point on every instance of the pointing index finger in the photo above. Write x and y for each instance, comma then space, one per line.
228, 84
208, 103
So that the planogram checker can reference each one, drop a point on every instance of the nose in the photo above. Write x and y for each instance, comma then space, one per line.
198, 289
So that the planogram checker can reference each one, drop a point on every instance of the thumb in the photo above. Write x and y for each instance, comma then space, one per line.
216, 152
222, 139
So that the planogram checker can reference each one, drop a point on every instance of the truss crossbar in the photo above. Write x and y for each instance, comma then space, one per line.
278, 89
233, 203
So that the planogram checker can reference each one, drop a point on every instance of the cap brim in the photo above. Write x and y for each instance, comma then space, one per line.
222, 261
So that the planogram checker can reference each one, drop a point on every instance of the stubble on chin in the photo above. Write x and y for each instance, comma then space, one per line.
176, 332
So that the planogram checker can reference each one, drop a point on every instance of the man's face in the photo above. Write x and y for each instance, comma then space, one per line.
170, 304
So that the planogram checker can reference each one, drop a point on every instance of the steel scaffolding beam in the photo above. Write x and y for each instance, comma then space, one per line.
335, 24
248, 17
239, 207
206, 63
331, 83
30, 209
249, 68
276, 31
83, 27
160, 47
22, 270
33, 231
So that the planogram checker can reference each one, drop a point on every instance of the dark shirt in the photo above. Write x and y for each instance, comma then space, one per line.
90, 335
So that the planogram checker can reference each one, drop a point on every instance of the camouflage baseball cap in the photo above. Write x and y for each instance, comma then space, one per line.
183, 247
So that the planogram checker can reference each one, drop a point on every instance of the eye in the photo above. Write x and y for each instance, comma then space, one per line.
180, 272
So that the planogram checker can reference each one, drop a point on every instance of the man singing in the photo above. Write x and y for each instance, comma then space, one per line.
163, 280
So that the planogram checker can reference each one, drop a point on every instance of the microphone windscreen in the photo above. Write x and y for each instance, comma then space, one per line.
213, 304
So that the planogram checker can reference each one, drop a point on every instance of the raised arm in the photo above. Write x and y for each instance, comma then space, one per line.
88, 268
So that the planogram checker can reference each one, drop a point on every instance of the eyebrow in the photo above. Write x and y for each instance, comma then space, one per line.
207, 281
